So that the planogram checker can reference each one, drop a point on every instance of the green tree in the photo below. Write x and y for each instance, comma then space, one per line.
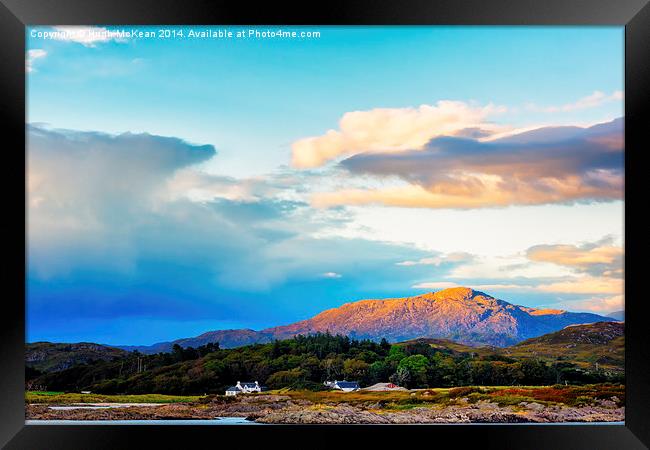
355, 369
416, 365
378, 371
332, 367
395, 355
286, 378
401, 378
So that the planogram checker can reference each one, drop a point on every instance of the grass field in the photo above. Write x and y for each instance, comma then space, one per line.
502, 395
60, 398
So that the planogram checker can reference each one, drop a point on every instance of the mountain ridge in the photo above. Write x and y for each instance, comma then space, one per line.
49, 356
460, 314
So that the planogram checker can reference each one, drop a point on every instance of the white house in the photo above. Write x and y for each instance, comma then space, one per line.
233, 390
345, 386
244, 388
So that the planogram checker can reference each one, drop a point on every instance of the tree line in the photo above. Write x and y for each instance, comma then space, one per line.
305, 362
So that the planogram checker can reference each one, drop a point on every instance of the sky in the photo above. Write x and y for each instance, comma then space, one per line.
179, 183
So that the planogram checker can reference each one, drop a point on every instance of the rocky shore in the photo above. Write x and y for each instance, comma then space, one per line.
283, 409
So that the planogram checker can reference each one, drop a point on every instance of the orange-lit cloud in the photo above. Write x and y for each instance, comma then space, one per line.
603, 259
539, 167
474, 194
586, 285
580, 285
480, 287
393, 129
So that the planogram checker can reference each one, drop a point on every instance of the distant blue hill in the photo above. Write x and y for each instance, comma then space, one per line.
618, 315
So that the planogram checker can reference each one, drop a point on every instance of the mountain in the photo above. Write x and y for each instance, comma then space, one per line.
601, 343
50, 357
618, 315
460, 314
225, 338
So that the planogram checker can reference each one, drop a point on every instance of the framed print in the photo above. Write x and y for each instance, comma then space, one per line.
356, 221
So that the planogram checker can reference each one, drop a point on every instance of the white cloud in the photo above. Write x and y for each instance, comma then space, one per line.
103, 202
331, 275
393, 129
593, 100
87, 36
456, 257
435, 285
33, 55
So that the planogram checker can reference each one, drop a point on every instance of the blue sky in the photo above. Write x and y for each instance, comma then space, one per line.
294, 175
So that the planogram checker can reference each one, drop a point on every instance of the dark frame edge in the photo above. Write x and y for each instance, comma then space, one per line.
637, 339
12, 319
635, 14
358, 12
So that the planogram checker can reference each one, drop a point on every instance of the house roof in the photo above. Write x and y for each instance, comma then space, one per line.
248, 384
233, 388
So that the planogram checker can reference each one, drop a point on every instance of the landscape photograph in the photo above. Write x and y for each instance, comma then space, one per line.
324, 225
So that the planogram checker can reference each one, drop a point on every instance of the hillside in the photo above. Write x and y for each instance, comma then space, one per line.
618, 315
459, 314
50, 357
580, 354
225, 338
589, 346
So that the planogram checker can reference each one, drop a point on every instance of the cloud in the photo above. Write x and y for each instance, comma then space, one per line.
585, 285
600, 305
538, 167
596, 259
87, 36
480, 287
87, 191
393, 129
107, 239
435, 285
197, 185
455, 257
33, 55
582, 285
504, 287
98, 166
595, 99
331, 275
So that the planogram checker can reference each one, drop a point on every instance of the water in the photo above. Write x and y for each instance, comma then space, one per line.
68, 408
215, 421
106, 406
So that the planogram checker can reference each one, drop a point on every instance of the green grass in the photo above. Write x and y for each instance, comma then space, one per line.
398, 400
63, 398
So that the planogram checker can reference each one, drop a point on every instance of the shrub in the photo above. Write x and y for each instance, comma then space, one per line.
463, 391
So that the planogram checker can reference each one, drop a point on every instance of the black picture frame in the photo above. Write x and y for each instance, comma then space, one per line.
16, 14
